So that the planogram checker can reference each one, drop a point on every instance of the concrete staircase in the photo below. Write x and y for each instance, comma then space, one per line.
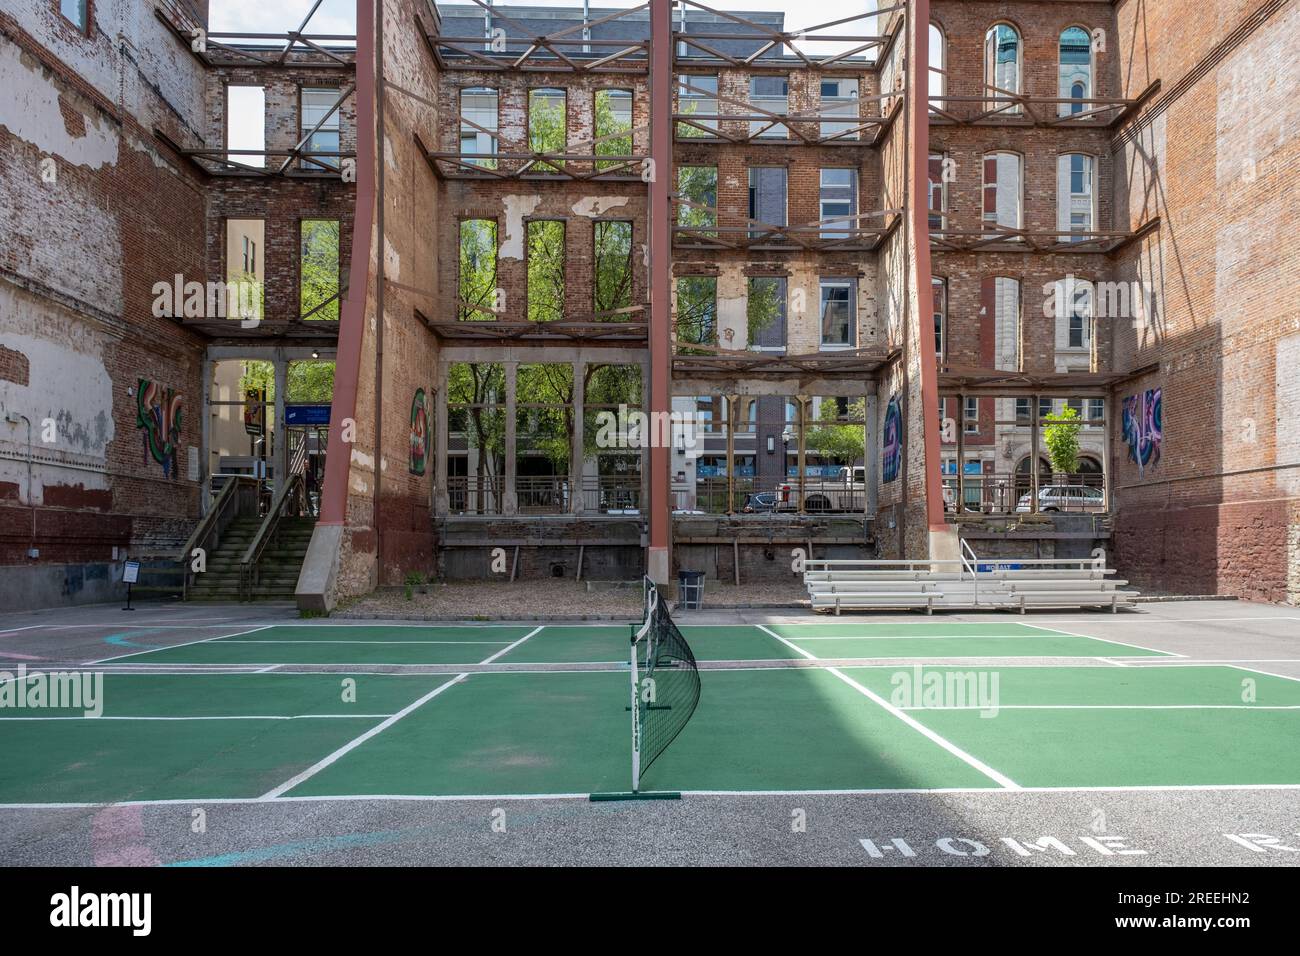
278, 570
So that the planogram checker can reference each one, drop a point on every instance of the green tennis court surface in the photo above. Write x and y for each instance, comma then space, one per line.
542, 711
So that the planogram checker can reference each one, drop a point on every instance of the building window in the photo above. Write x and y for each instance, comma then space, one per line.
250, 256
1022, 411
478, 270
318, 107
840, 98
766, 312
1075, 207
1079, 321
938, 192
613, 285
77, 12
838, 314
1000, 303
939, 292
547, 125
545, 270
767, 198
1096, 412
937, 82
839, 203
698, 187
697, 311
478, 126
1002, 191
971, 416
697, 96
1075, 70
613, 127
319, 270
1002, 66
246, 125
769, 94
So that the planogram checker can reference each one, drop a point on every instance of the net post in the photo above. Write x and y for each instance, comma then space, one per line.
636, 723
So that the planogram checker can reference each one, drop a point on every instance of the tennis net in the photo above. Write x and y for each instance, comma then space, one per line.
665, 684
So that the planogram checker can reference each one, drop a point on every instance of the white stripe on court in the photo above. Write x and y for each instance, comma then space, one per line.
214, 717
356, 742
1000, 779
506, 650
1108, 640
1114, 707
494, 643
168, 647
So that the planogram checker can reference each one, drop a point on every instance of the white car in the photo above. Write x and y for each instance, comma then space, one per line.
1065, 498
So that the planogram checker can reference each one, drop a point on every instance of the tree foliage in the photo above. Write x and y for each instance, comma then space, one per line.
545, 270
1061, 435
478, 269
841, 437
320, 269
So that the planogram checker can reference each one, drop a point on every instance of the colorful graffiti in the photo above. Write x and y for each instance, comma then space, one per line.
419, 433
158, 412
892, 459
1142, 428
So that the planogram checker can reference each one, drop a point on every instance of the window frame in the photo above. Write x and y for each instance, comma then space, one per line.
836, 282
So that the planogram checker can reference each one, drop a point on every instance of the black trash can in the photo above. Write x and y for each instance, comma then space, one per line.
690, 590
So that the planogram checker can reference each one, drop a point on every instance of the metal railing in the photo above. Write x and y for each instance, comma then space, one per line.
545, 494
1007, 493
238, 496
476, 495
611, 493
290, 502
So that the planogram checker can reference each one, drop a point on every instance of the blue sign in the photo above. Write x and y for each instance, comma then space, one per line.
306, 414
969, 468
999, 566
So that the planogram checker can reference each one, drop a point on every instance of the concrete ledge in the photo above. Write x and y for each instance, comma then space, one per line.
318, 579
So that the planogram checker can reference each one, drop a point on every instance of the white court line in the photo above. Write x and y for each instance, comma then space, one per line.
1256, 670
1106, 640
998, 778
1114, 707
494, 643
267, 669
214, 717
506, 650
204, 640
29, 627
351, 745
1116, 662
585, 797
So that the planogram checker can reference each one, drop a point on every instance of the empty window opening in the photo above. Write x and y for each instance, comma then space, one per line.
766, 313
545, 270
769, 94
838, 197
837, 313
319, 270
697, 97
613, 285
478, 270
320, 129
246, 125
547, 125
697, 311
478, 126
767, 198
613, 127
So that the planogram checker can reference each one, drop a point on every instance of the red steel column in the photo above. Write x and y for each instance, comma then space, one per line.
658, 561
918, 84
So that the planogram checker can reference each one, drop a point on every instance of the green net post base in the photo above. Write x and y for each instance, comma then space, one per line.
635, 795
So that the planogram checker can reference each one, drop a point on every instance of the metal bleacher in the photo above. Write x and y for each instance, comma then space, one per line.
963, 583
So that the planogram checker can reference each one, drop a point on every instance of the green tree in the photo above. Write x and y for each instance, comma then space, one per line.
839, 437
763, 305
547, 126
545, 270
478, 270
698, 185
697, 312
476, 407
613, 285
613, 126
319, 292
1062, 439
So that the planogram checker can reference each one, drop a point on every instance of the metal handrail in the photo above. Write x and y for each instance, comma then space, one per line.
210, 524
972, 566
248, 564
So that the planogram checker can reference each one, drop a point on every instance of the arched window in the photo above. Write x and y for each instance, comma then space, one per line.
1075, 70
1003, 191
938, 86
1002, 65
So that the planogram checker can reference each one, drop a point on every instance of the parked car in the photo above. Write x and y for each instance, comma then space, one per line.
762, 502
1065, 498
847, 491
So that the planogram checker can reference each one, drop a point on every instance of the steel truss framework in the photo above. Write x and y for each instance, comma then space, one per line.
809, 237
1005, 239
999, 107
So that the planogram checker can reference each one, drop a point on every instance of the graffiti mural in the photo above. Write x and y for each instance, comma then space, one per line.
892, 458
1142, 428
158, 413
419, 432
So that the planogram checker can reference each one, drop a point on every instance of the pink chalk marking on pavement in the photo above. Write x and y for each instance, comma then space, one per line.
21, 657
117, 838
